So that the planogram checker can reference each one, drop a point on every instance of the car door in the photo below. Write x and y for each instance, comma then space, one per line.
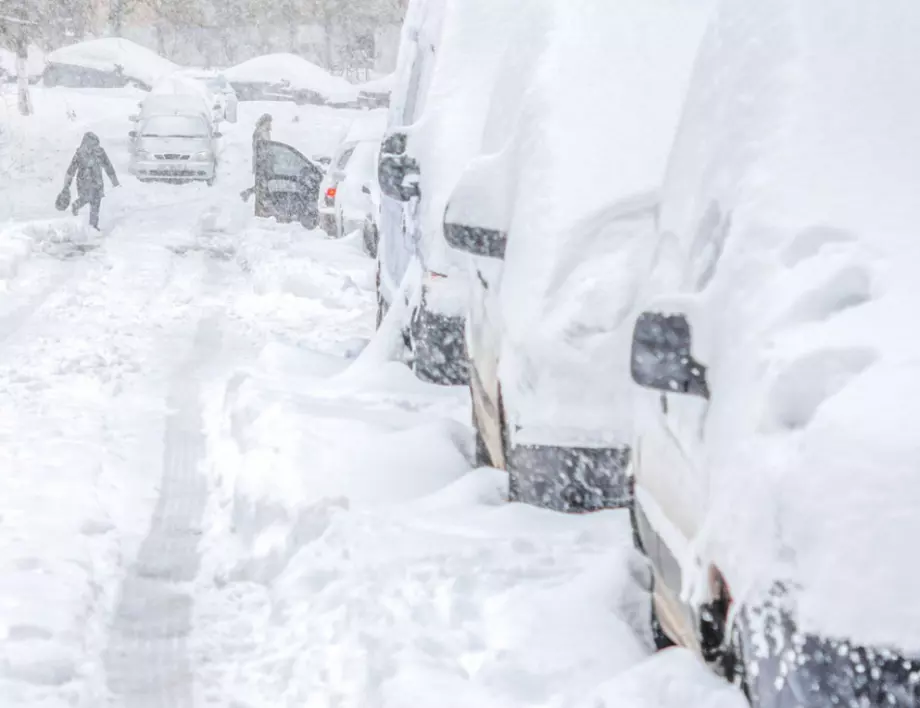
285, 192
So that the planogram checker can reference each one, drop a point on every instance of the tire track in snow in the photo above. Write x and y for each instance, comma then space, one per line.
147, 661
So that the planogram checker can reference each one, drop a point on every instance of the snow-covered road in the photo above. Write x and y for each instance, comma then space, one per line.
202, 504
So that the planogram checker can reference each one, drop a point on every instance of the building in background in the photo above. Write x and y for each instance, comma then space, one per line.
355, 38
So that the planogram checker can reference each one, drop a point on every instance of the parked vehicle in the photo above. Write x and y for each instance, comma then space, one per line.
106, 63
214, 87
438, 109
557, 212
349, 189
285, 77
287, 185
175, 146
775, 481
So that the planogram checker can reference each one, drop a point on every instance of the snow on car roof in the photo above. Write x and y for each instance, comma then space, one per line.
104, 54
368, 126
793, 191
302, 74
171, 104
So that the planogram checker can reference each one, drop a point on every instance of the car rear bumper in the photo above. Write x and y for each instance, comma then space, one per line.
571, 479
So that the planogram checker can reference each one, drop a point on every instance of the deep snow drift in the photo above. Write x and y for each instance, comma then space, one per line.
205, 503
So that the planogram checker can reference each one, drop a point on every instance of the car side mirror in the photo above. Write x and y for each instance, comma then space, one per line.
218, 134
132, 134
661, 356
477, 218
394, 144
398, 177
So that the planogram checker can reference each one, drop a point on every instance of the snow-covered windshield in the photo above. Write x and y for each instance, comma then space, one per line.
174, 127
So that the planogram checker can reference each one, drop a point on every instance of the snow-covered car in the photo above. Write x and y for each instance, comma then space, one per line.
175, 146
776, 492
106, 63
287, 185
349, 190
557, 213
449, 55
285, 77
222, 98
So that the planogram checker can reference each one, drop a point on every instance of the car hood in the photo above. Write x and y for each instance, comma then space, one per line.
182, 146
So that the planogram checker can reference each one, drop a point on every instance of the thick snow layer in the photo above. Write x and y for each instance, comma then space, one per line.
477, 37
300, 73
105, 54
792, 200
216, 491
590, 151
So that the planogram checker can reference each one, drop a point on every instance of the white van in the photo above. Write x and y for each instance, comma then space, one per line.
776, 451
452, 50
558, 220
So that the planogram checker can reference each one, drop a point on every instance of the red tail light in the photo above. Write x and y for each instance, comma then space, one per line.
330, 192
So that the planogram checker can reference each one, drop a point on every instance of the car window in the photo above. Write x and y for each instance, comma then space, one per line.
344, 158
175, 127
285, 160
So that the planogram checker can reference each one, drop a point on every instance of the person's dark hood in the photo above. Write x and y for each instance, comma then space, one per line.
90, 141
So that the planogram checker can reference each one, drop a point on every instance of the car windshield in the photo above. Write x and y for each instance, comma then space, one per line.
175, 127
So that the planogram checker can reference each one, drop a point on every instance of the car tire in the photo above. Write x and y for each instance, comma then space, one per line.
734, 667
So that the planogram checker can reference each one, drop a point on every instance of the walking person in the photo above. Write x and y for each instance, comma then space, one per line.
261, 134
87, 165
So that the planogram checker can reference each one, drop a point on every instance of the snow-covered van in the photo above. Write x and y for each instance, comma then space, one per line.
451, 50
777, 493
558, 212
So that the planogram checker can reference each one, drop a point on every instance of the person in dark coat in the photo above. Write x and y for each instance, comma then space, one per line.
87, 165
262, 132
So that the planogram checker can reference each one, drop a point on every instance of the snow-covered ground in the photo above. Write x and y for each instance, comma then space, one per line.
205, 503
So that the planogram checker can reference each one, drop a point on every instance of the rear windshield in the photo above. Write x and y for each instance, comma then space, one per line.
175, 127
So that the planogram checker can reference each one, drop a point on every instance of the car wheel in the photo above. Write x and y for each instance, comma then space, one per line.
734, 667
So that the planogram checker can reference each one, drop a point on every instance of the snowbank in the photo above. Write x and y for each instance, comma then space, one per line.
795, 251
290, 68
105, 54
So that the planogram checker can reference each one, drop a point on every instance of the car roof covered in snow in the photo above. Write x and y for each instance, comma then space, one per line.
368, 126
105, 54
300, 73
169, 104
792, 201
